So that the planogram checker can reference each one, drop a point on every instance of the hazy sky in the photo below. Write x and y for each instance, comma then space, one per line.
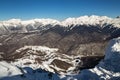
57, 9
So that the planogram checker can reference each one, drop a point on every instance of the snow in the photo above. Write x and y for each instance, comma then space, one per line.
39, 48
31, 58
116, 47
107, 69
42, 23
50, 54
7, 69
86, 20
47, 68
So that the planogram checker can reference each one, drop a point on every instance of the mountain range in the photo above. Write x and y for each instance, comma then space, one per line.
58, 47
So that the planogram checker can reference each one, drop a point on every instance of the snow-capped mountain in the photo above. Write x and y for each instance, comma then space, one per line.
61, 49
14, 25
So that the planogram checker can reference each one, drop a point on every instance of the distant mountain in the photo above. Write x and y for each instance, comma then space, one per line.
16, 25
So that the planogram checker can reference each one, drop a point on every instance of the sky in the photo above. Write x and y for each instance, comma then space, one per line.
57, 9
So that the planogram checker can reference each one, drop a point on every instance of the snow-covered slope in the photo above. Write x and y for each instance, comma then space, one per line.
48, 59
18, 25
107, 69
8, 70
87, 20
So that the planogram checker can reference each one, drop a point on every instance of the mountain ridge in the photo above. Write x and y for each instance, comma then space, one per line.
16, 25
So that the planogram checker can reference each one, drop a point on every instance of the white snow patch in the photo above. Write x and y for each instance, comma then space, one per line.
7, 69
